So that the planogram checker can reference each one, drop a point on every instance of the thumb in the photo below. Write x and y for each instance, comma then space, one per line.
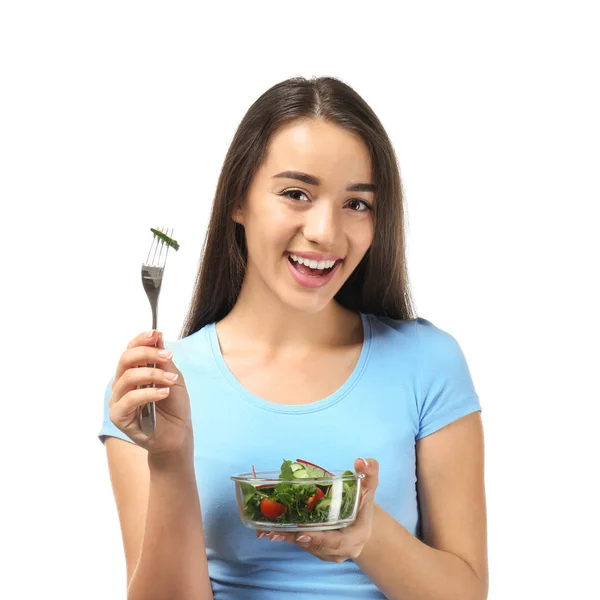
370, 468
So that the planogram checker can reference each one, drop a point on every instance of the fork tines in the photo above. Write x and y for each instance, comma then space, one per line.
153, 268
159, 245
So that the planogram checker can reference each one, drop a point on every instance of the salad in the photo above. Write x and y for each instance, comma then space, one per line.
292, 501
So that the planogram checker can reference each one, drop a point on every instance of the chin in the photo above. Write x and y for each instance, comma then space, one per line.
306, 305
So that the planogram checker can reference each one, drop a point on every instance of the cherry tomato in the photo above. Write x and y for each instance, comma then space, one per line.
271, 509
314, 499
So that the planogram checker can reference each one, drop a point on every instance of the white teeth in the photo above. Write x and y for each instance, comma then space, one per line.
313, 264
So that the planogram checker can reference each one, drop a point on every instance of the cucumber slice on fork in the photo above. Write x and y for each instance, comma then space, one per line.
165, 238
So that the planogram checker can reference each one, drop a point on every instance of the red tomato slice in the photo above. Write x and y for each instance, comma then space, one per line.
310, 504
271, 509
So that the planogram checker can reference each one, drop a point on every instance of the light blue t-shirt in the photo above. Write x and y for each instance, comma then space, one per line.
411, 379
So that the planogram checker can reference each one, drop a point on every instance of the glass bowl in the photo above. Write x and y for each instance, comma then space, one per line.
319, 504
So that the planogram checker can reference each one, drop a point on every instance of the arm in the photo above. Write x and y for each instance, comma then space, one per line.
161, 523
451, 562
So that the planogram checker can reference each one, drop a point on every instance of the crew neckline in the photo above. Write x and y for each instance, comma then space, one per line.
311, 407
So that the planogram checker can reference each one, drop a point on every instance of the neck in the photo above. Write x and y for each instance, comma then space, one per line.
260, 321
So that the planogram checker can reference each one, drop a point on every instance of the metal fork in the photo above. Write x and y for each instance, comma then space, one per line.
152, 276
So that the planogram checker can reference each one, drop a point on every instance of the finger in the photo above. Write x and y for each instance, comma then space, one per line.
261, 533
140, 356
143, 340
122, 412
140, 351
320, 542
277, 536
370, 468
168, 364
133, 378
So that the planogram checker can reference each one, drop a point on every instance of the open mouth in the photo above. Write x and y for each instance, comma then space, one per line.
305, 270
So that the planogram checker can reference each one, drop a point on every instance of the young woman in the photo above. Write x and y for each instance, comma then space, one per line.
301, 341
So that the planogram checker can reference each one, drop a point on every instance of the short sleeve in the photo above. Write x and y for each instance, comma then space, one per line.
447, 390
108, 427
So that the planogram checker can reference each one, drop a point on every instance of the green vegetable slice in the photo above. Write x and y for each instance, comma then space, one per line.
248, 491
165, 238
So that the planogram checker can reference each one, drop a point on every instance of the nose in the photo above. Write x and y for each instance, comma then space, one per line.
322, 224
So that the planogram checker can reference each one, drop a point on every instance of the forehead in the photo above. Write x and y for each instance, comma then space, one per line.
318, 148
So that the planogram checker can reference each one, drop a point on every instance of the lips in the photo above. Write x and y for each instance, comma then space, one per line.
309, 271
311, 281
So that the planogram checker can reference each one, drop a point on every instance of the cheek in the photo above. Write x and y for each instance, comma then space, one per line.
278, 224
270, 229
281, 222
362, 235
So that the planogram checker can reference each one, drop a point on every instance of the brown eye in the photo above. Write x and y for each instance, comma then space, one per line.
366, 205
288, 193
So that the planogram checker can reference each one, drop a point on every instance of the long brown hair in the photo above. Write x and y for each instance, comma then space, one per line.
379, 285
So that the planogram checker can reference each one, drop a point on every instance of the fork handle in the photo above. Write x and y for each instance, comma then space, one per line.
147, 412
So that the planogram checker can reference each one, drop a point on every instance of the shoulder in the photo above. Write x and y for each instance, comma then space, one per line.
434, 340
424, 339
394, 329
420, 330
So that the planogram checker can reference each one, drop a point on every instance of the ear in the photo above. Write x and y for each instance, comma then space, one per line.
238, 214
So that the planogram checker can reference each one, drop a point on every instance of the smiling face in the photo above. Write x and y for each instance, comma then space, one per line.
310, 200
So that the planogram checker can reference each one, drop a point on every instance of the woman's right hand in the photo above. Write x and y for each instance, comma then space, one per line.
173, 437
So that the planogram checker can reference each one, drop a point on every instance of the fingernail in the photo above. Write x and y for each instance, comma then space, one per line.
172, 376
262, 535
149, 334
303, 538
365, 461
277, 538
165, 353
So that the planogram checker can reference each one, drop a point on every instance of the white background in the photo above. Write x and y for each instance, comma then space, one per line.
115, 117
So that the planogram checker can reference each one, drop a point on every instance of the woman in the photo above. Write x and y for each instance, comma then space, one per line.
301, 342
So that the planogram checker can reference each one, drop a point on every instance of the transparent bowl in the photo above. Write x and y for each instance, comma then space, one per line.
334, 507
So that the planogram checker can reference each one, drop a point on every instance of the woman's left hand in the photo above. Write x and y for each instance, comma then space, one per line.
338, 545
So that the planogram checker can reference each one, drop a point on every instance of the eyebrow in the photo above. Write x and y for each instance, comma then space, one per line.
312, 180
